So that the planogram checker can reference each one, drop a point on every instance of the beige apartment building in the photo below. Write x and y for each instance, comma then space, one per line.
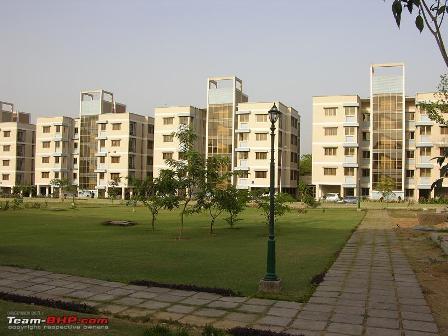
233, 127
168, 120
17, 148
101, 149
357, 141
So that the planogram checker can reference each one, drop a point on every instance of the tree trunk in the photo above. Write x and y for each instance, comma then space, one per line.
181, 230
211, 225
153, 221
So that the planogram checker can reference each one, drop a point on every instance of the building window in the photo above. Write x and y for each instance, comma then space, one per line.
102, 159
425, 130
411, 116
261, 155
75, 145
443, 130
366, 117
350, 111
365, 191
183, 121
365, 172
149, 160
56, 175
75, 176
409, 193
116, 126
349, 151
365, 136
243, 155
261, 136
330, 171
261, 174
411, 135
45, 159
115, 159
45, 175
6, 148
101, 176
349, 171
103, 127
410, 154
409, 173
349, 131
115, 143
425, 172
5, 177
150, 144
261, 117
56, 159
366, 154
6, 134
150, 129
443, 151
168, 138
57, 144
330, 131
167, 155
58, 128
168, 121
425, 151
330, 151
75, 160
46, 129
244, 118
330, 111
115, 176
5, 163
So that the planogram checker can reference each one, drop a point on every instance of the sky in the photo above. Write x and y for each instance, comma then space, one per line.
153, 53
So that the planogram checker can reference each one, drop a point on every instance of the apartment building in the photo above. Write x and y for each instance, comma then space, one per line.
232, 127
167, 121
114, 145
17, 148
358, 141
57, 142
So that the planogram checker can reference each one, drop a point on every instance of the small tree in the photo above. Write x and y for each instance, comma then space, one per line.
233, 201
63, 185
306, 194
189, 171
386, 186
113, 191
305, 165
156, 194
211, 195
281, 205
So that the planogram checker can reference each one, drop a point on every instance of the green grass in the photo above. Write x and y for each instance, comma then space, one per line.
75, 242
116, 327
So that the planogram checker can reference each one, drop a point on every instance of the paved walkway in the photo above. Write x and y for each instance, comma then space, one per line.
369, 290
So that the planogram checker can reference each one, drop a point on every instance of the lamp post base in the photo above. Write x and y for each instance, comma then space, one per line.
270, 286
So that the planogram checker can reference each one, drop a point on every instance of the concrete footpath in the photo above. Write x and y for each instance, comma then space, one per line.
370, 290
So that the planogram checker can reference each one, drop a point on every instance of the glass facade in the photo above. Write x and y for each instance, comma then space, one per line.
220, 130
387, 107
87, 158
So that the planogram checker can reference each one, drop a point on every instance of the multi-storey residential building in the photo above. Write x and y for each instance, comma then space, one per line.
17, 148
167, 121
253, 143
358, 141
115, 145
232, 127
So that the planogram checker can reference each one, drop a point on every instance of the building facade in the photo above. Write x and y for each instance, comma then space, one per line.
359, 142
17, 148
232, 127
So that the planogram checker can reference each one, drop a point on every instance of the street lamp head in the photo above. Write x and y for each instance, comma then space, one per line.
273, 114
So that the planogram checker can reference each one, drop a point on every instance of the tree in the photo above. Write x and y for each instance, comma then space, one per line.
212, 195
113, 191
156, 194
305, 165
189, 171
306, 194
386, 186
429, 13
281, 206
63, 185
233, 201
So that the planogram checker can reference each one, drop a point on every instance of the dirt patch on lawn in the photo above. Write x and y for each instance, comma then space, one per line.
430, 265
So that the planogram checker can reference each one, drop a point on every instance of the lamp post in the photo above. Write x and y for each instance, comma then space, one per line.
270, 282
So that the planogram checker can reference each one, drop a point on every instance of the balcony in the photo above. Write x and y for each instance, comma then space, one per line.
102, 183
243, 128
424, 121
351, 121
424, 162
365, 125
365, 180
102, 151
424, 141
410, 124
350, 141
410, 162
243, 146
365, 162
411, 142
350, 161
243, 183
242, 165
101, 168
409, 181
102, 135
424, 183
349, 181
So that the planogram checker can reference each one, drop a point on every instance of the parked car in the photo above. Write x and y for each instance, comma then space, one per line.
332, 197
350, 199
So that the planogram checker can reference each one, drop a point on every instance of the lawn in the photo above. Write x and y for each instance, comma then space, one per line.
70, 241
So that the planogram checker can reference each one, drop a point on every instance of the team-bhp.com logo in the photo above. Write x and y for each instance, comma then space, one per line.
53, 322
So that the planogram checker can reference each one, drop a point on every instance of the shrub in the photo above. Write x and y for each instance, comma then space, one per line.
212, 331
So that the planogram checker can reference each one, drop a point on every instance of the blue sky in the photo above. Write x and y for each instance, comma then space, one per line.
155, 53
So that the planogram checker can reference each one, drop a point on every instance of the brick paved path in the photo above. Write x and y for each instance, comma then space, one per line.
369, 290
